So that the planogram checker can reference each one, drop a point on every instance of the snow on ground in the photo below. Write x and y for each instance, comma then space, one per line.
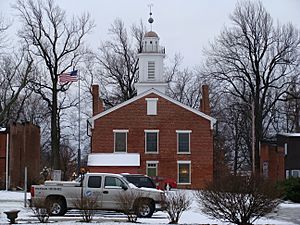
287, 214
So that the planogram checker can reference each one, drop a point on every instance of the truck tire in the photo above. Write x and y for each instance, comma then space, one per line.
57, 206
144, 208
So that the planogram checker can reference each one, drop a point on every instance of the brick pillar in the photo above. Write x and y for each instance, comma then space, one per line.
97, 101
204, 101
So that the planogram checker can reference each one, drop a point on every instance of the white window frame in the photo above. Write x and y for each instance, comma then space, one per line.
152, 162
292, 171
285, 149
183, 132
190, 171
151, 106
287, 174
120, 131
157, 133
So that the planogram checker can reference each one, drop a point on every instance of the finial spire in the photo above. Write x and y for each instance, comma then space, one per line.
150, 20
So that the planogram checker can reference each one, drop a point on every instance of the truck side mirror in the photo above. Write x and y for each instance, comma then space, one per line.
124, 187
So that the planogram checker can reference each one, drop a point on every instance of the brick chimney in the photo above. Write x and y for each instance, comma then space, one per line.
204, 101
97, 101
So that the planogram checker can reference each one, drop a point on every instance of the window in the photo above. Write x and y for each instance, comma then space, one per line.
295, 173
94, 182
113, 182
120, 140
183, 141
287, 174
285, 148
152, 168
151, 141
151, 70
184, 172
151, 106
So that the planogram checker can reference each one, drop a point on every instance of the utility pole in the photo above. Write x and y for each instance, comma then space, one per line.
253, 138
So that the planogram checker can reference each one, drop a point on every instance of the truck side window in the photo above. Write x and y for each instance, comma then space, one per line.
113, 181
94, 182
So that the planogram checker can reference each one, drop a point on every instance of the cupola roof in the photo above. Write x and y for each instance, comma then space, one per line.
151, 34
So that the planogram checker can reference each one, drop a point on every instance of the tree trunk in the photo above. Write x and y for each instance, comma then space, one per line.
258, 135
55, 132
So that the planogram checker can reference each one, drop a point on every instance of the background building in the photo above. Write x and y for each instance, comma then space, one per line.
22, 150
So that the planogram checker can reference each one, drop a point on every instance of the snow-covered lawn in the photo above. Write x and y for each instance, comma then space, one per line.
287, 214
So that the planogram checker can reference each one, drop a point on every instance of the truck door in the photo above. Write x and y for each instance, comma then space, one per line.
94, 189
113, 187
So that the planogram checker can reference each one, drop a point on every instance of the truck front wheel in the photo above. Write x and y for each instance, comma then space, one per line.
145, 208
57, 206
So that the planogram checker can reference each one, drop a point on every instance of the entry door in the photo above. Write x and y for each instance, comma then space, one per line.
111, 192
94, 190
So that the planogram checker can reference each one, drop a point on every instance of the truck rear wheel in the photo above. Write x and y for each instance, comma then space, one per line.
57, 206
145, 208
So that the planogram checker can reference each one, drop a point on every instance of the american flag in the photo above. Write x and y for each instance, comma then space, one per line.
68, 77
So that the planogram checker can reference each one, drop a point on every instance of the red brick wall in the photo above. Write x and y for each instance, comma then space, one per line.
169, 119
24, 151
274, 155
2, 159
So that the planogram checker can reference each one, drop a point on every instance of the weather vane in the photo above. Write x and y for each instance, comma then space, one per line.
150, 20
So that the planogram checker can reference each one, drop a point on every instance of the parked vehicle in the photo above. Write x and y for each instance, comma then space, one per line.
140, 180
164, 183
60, 195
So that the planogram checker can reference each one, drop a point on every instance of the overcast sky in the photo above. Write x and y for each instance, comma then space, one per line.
184, 27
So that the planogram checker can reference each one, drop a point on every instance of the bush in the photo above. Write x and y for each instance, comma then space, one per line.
291, 189
238, 200
176, 203
87, 206
127, 200
41, 209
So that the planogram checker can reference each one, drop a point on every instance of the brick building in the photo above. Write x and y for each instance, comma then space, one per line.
290, 143
152, 133
22, 150
280, 159
272, 160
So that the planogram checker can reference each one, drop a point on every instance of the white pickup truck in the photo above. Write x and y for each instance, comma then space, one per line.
61, 195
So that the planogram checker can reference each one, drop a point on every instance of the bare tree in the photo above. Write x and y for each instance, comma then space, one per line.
57, 45
184, 86
255, 61
129, 200
176, 203
3, 28
119, 62
68, 160
15, 71
87, 206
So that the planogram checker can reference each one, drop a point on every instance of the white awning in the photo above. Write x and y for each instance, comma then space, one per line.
2, 129
290, 134
114, 159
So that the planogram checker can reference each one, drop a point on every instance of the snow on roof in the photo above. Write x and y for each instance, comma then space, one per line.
290, 134
114, 159
2, 129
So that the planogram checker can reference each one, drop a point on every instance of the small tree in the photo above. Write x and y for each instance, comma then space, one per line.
41, 209
87, 206
239, 200
127, 201
291, 189
176, 203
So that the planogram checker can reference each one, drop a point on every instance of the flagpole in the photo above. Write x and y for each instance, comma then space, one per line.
79, 151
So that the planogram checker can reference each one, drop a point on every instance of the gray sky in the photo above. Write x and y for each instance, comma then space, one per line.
184, 27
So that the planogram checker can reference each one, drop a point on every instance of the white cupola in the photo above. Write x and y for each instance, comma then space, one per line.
151, 63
